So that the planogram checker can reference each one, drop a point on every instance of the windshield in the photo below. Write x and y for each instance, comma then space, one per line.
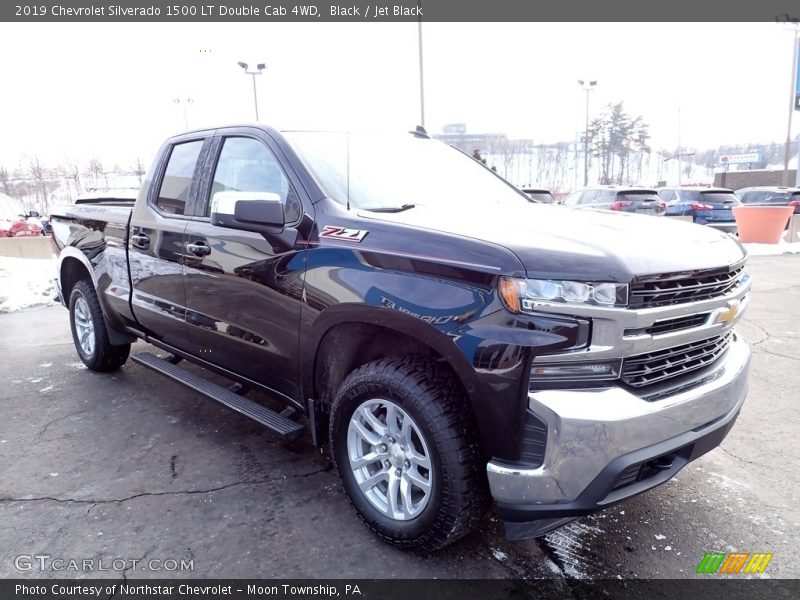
398, 172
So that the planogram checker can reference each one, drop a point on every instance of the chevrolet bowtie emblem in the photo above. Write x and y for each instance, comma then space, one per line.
728, 314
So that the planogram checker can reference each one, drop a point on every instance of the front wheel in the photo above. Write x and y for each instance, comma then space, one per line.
405, 449
89, 331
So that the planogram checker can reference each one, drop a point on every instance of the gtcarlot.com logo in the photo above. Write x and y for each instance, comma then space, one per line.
45, 562
734, 562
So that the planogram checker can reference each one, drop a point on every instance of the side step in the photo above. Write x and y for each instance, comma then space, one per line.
285, 428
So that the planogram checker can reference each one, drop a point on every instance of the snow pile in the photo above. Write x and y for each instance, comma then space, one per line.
782, 247
26, 282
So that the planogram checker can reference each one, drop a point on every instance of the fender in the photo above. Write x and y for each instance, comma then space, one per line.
116, 330
425, 333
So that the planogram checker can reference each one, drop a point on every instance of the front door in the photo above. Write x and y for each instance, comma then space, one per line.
243, 295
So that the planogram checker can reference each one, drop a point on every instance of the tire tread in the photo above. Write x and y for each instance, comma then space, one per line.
464, 486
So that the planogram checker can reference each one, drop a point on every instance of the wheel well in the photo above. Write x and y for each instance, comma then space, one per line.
72, 271
347, 346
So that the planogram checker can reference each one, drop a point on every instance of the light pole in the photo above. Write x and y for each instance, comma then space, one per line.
185, 102
794, 22
421, 76
587, 87
680, 156
260, 67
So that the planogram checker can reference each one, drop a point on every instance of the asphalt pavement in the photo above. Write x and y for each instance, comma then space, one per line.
132, 467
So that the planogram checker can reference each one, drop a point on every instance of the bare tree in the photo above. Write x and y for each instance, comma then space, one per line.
96, 170
139, 170
4, 177
37, 174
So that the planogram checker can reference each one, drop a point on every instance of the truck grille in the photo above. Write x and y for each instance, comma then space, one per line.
661, 365
669, 325
678, 288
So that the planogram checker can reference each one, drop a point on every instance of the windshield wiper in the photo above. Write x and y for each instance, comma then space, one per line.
391, 209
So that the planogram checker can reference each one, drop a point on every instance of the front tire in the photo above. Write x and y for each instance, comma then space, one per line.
405, 448
89, 331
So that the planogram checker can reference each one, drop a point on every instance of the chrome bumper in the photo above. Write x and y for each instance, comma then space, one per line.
588, 430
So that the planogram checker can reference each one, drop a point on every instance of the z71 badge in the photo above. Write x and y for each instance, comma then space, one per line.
343, 233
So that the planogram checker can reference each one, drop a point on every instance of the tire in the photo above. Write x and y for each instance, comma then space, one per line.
432, 421
89, 331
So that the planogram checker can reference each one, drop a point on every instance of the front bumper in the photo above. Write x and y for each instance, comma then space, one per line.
599, 438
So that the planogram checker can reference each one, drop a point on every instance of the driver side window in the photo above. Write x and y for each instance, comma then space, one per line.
247, 165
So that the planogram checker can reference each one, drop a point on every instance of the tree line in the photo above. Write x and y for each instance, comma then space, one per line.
40, 187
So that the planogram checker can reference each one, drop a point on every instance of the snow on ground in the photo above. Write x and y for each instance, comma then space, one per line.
26, 282
782, 247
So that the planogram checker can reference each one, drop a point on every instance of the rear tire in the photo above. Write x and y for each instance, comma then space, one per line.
405, 448
89, 331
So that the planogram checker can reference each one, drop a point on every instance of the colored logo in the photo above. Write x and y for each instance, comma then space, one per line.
343, 233
728, 314
734, 562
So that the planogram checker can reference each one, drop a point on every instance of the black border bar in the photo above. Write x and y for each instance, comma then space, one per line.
708, 586
269, 11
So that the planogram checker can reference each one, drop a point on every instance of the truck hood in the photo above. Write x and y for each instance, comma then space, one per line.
581, 244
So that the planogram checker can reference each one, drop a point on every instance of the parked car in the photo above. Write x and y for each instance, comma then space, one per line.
624, 199
539, 195
770, 196
706, 205
20, 227
35, 219
445, 340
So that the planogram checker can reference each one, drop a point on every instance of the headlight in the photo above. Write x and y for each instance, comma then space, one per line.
522, 295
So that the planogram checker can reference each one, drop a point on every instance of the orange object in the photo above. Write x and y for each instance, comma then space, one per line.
761, 224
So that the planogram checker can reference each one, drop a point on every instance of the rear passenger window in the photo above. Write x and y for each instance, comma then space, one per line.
177, 182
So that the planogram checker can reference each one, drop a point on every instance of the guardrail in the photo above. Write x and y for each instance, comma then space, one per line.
26, 247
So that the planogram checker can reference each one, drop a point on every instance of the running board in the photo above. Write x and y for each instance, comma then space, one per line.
283, 427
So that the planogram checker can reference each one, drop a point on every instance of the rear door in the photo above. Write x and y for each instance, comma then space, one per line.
244, 294
157, 238
644, 202
721, 204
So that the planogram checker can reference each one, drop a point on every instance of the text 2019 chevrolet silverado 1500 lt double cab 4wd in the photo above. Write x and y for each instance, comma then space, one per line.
444, 338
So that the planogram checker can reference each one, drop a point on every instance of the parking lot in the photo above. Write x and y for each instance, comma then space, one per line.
131, 466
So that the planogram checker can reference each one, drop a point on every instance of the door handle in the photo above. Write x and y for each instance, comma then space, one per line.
198, 248
140, 241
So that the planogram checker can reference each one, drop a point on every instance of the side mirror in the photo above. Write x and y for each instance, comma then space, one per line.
261, 212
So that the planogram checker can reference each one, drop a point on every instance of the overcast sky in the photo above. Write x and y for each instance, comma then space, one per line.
107, 90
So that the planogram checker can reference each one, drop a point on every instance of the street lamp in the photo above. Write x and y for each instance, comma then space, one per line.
421, 73
793, 22
260, 67
680, 156
185, 102
587, 87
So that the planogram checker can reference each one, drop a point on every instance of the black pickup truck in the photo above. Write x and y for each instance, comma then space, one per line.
446, 340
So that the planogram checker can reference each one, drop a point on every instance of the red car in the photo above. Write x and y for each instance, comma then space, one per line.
19, 228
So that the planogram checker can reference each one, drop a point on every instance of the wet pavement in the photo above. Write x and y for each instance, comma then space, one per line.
130, 466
